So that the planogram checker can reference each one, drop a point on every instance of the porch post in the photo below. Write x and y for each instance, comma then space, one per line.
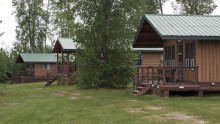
61, 70
57, 62
68, 62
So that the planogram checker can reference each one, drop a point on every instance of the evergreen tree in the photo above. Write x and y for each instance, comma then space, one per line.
105, 32
195, 7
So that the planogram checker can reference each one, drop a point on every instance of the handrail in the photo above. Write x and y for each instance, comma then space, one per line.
164, 75
51, 74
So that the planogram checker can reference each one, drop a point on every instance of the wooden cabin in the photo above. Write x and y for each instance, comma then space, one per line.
191, 47
37, 65
65, 50
149, 56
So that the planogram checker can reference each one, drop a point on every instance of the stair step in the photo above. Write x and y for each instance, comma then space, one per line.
136, 91
146, 83
140, 87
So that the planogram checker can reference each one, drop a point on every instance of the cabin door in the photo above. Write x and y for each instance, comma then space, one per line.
180, 59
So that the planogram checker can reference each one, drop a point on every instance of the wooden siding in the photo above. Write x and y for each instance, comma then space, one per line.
39, 70
151, 59
208, 60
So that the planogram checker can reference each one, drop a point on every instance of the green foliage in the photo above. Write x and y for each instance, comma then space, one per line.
64, 17
32, 19
2, 88
105, 34
195, 7
5, 63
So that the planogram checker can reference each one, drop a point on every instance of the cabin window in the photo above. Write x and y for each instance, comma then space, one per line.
46, 66
190, 54
170, 56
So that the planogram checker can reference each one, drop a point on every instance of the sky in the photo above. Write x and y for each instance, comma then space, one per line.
8, 24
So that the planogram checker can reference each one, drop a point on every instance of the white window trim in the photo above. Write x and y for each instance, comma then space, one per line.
192, 62
187, 62
47, 66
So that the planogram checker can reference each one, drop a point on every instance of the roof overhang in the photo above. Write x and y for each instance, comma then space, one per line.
59, 47
32, 58
19, 59
146, 36
148, 50
153, 31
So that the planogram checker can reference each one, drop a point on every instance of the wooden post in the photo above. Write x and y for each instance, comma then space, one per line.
61, 68
200, 93
166, 93
196, 75
58, 63
152, 76
68, 63
142, 74
147, 74
164, 76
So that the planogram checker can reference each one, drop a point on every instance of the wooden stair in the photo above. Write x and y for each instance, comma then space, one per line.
142, 89
51, 80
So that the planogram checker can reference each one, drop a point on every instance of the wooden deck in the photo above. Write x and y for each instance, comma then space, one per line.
162, 81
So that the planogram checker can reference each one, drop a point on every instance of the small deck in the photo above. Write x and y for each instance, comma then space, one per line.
26, 77
163, 80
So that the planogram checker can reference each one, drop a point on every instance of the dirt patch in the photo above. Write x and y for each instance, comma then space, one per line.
178, 116
59, 93
184, 118
154, 107
132, 100
76, 94
62, 93
135, 110
72, 97
8, 104
87, 97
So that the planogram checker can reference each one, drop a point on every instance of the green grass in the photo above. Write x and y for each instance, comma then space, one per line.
34, 104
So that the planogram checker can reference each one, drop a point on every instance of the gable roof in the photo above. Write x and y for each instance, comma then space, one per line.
180, 27
65, 45
36, 58
185, 27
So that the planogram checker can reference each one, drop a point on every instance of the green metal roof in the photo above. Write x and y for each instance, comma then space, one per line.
65, 45
36, 58
185, 27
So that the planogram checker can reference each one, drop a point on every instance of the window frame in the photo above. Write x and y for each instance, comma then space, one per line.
190, 54
46, 66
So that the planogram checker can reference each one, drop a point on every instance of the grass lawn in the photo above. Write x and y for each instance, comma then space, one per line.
34, 104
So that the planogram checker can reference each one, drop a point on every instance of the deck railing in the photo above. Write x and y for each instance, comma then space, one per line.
64, 69
164, 75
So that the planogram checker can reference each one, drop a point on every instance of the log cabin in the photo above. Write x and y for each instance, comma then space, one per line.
191, 47
37, 65
149, 56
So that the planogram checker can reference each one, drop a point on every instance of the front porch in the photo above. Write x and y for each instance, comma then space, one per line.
162, 80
